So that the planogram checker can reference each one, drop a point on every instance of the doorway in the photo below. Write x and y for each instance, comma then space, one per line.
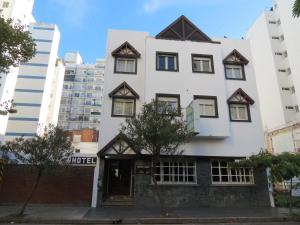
119, 177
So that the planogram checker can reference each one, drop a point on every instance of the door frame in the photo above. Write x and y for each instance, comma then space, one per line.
107, 164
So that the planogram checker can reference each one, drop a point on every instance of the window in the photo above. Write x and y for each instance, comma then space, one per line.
234, 64
5, 4
202, 63
123, 101
175, 172
123, 107
239, 112
166, 61
171, 100
125, 65
235, 72
208, 106
126, 59
222, 173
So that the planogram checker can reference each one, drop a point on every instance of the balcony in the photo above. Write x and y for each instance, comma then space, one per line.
217, 128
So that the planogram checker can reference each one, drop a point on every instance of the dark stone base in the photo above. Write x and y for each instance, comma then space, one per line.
202, 194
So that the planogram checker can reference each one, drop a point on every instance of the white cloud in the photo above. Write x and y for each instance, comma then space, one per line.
74, 11
154, 5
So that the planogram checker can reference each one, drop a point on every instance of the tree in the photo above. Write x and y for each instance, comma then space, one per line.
16, 45
296, 8
44, 152
157, 131
284, 167
7, 107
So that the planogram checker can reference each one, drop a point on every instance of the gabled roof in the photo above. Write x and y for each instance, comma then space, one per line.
235, 58
239, 96
123, 90
183, 29
117, 146
126, 50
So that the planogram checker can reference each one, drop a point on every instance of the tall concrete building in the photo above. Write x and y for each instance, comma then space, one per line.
38, 88
18, 10
275, 49
81, 100
211, 83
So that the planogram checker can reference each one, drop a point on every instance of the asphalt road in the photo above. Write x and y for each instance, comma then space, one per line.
266, 223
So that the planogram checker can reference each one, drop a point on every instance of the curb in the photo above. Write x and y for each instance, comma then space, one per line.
205, 220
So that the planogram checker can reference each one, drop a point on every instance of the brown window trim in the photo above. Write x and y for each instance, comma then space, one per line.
123, 97
236, 64
211, 57
115, 65
173, 96
248, 111
212, 98
167, 53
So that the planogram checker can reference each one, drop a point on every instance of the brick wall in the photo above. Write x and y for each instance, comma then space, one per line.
71, 185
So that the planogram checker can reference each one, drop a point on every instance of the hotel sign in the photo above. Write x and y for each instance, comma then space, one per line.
76, 160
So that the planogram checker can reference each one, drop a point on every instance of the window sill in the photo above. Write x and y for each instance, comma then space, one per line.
172, 185
233, 185
132, 73
204, 72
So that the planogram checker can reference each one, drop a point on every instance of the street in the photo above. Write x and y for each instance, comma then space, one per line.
266, 223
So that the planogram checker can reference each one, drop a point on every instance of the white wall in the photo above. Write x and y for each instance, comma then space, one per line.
147, 82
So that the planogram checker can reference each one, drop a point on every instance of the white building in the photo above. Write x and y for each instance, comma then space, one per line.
276, 52
18, 10
38, 88
212, 83
81, 100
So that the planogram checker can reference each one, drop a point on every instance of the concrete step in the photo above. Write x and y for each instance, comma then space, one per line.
119, 200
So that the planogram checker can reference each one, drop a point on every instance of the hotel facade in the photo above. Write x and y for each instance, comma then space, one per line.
212, 83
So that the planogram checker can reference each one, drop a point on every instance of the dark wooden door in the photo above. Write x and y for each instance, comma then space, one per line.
119, 178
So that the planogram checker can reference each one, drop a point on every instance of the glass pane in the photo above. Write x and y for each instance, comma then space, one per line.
229, 73
233, 112
224, 171
120, 67
216, 179
118, 108
128, 108
197, 65
215, 171
161, 63
215, 163
131, 66
243, 113
237, 73
225, 179
171, 63
206, 66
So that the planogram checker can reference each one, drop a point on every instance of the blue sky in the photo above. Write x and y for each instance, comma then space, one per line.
84, 23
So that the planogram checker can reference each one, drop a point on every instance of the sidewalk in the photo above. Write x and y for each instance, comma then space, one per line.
132, 215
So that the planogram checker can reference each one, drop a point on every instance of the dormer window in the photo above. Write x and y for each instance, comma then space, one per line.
234, 66
126, 59
239, 106
123, 101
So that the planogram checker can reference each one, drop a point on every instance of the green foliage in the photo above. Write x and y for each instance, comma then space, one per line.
296, 8
7, 107
283, 200
284, 166
158, 130
53, 148
16, 45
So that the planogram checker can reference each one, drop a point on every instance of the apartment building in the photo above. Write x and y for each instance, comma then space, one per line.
212, 83
81, 100
275, 50
38, 87
18, 10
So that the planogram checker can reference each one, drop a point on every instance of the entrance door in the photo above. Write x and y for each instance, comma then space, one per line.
119, 176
